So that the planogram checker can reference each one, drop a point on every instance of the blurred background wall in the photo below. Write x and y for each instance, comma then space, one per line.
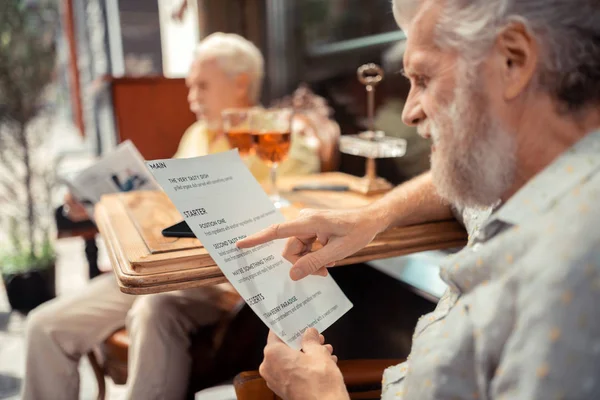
318, 42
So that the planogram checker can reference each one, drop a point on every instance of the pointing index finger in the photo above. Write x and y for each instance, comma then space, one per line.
277, 231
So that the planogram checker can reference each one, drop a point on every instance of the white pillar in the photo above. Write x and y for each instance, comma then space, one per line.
178, 38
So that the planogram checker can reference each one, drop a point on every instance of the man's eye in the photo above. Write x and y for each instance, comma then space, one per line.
421, 81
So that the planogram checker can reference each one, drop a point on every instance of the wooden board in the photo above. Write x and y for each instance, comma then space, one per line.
151, 213
146, 262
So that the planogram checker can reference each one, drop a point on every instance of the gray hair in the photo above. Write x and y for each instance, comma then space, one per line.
568, 32
235, 55
392, 58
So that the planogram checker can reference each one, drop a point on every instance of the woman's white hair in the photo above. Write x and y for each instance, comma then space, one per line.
235, 55
567, 31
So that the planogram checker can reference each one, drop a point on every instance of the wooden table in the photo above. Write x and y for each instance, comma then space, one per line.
146, 262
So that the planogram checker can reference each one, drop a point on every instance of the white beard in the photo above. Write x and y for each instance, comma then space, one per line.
475, 159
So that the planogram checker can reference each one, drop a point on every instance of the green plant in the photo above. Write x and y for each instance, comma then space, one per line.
27, 68
18, 262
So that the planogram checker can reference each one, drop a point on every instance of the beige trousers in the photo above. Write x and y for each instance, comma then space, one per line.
159, 325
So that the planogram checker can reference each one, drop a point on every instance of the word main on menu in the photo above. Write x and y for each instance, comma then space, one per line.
223, 203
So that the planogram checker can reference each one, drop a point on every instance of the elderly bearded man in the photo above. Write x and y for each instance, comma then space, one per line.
508, 91
227, 72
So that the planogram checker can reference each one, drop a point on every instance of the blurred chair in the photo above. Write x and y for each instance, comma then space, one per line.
65, 228
152, 112
362, 379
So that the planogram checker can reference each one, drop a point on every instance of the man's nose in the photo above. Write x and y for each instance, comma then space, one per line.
191, 97
413, 112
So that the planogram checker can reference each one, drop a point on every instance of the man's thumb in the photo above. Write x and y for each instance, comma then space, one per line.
310, 338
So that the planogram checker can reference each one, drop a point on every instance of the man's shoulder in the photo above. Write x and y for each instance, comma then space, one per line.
576, 212
565, 241
188, 144
197, 128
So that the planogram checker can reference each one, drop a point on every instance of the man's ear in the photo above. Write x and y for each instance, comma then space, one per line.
518, 55
242, 85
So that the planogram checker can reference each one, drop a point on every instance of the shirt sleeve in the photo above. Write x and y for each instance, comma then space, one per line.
553, 351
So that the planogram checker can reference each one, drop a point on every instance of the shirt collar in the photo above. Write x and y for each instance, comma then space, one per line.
540, 193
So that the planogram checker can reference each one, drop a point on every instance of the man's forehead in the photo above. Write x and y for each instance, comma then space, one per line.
201, 67
421, 33
201, 64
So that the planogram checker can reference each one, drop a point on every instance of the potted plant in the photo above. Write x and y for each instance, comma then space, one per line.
27, 66
29, 280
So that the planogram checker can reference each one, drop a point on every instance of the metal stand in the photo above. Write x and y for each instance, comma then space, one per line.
371, 144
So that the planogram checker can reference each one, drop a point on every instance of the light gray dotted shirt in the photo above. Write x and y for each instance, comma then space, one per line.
521, 317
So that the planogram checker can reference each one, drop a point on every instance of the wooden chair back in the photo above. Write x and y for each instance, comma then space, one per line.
152, 112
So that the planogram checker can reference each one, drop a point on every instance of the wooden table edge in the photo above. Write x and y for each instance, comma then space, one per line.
433, 235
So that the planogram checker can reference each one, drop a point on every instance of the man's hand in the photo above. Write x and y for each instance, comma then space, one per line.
74, 210
342, 233
309, 374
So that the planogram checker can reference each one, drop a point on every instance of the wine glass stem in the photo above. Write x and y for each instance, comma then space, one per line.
274, 190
